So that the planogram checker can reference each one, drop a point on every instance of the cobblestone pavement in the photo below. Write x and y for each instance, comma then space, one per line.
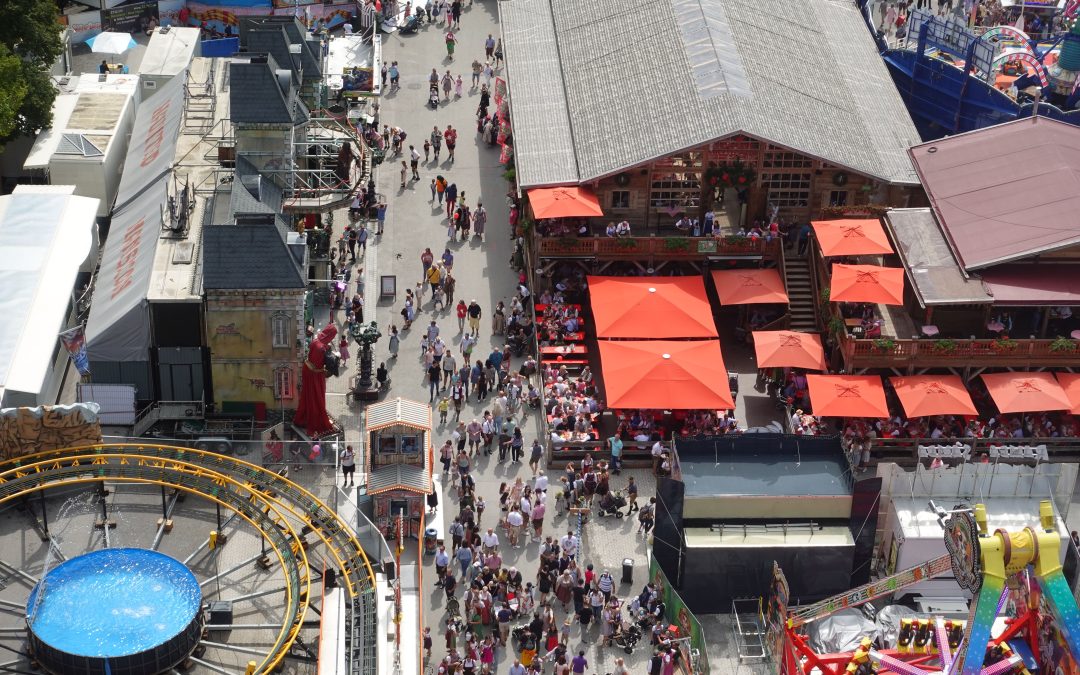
482, 271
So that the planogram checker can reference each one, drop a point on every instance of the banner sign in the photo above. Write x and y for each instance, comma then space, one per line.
138, 17
75, 343
680, 616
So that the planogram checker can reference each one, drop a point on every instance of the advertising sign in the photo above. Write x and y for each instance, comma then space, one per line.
138, 17
679, 615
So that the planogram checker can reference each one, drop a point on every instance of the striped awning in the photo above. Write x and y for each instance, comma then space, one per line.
409, 477
398, 411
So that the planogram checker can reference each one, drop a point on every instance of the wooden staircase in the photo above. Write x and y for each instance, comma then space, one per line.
802, 303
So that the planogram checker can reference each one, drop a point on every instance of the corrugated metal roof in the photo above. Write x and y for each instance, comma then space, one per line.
935, 275
398, 411
1005, 192
399, 477
633, 87
545, 152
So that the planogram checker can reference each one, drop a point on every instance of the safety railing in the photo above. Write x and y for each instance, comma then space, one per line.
656, 247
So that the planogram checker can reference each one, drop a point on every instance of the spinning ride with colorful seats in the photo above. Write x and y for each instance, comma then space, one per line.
989, 565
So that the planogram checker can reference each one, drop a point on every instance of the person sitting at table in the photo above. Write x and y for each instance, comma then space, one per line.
104, 67
571, 325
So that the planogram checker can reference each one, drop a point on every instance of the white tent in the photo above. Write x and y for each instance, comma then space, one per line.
45, 236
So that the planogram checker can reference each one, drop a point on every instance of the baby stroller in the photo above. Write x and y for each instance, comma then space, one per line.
433, 97
627, 636
411, 25
612, 503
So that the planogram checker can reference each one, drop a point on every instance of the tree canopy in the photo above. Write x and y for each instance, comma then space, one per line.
29, 45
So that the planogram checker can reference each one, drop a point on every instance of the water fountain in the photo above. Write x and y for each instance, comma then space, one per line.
121, 611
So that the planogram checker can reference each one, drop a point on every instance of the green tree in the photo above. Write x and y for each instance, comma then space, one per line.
29, 45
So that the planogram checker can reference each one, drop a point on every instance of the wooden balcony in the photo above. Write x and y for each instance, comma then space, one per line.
909, 355
660, 248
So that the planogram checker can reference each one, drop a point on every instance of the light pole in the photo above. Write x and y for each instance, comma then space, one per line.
366, 336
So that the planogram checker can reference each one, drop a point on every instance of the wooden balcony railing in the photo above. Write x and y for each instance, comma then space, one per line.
655, 247
901, 353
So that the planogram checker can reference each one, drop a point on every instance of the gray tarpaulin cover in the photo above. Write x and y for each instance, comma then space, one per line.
119, 325
841, 632
118, 328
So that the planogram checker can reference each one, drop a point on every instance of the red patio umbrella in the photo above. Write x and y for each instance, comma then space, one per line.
928, 395
1070, 382
785, 348
747, 287
847, 395
564, 202
650, 307
852, 236
1025, 392
867, 283
665, 374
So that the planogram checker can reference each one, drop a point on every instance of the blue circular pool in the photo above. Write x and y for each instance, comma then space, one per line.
116, 610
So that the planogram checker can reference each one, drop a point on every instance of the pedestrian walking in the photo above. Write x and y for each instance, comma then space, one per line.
489, 48
384, 74
348, 465
414, 160
394, 75
498, 53
455, 12
479, 218
451, 196
380, 216
343, 350
474, 317
477, 68
394, 342
434, 184
447, 84
436, 141
451, 141
404, 173
451, 43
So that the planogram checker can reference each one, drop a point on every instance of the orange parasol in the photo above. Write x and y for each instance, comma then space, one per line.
748, 287
861, 236
1025, 392
665, 374
847, 395
1070, 383
563, 202
650, 307
867, 283
785, 348
928, 395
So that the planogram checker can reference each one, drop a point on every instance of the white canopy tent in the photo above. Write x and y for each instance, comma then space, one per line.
45, 236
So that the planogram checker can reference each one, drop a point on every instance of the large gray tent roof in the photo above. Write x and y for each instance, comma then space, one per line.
601, 86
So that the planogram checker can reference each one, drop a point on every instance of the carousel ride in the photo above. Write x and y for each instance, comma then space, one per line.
992, 566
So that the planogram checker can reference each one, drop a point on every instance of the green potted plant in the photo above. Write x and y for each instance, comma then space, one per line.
626, 243
945, 346
1063, 345
884, 344
510, 174
676, 244
836, 326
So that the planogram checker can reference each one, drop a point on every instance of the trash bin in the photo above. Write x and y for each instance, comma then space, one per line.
431, 535
628, 571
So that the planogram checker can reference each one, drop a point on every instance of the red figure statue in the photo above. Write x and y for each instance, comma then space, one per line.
311, 413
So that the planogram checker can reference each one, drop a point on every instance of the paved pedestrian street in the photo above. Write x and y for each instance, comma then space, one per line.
483, 273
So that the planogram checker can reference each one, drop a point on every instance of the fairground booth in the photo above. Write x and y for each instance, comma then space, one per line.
398, 434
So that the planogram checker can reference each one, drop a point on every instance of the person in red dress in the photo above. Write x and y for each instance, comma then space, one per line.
311, 413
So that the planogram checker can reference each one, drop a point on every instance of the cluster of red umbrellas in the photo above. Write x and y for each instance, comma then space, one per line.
641, 371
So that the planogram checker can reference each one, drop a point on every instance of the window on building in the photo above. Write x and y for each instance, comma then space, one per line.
279, 329
620, 199
787, 190
838, 198
284, 383
784, 159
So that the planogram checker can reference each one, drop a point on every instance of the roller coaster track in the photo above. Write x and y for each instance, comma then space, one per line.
263, 498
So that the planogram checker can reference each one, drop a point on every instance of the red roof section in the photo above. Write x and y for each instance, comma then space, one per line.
1006, 192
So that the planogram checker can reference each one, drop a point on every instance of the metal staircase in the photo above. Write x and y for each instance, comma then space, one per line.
802, 303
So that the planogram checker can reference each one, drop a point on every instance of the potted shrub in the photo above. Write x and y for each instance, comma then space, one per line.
676, 244
945, 346
1063, 345
836, 326
884, 344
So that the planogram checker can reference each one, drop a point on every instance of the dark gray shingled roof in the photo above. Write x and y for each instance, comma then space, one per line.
255, 96
601, 86
238, 257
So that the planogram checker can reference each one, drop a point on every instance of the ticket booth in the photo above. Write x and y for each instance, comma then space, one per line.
399, 462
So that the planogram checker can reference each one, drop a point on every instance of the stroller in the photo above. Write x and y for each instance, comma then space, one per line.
612, 503
627, 636
433, 97
411, 25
